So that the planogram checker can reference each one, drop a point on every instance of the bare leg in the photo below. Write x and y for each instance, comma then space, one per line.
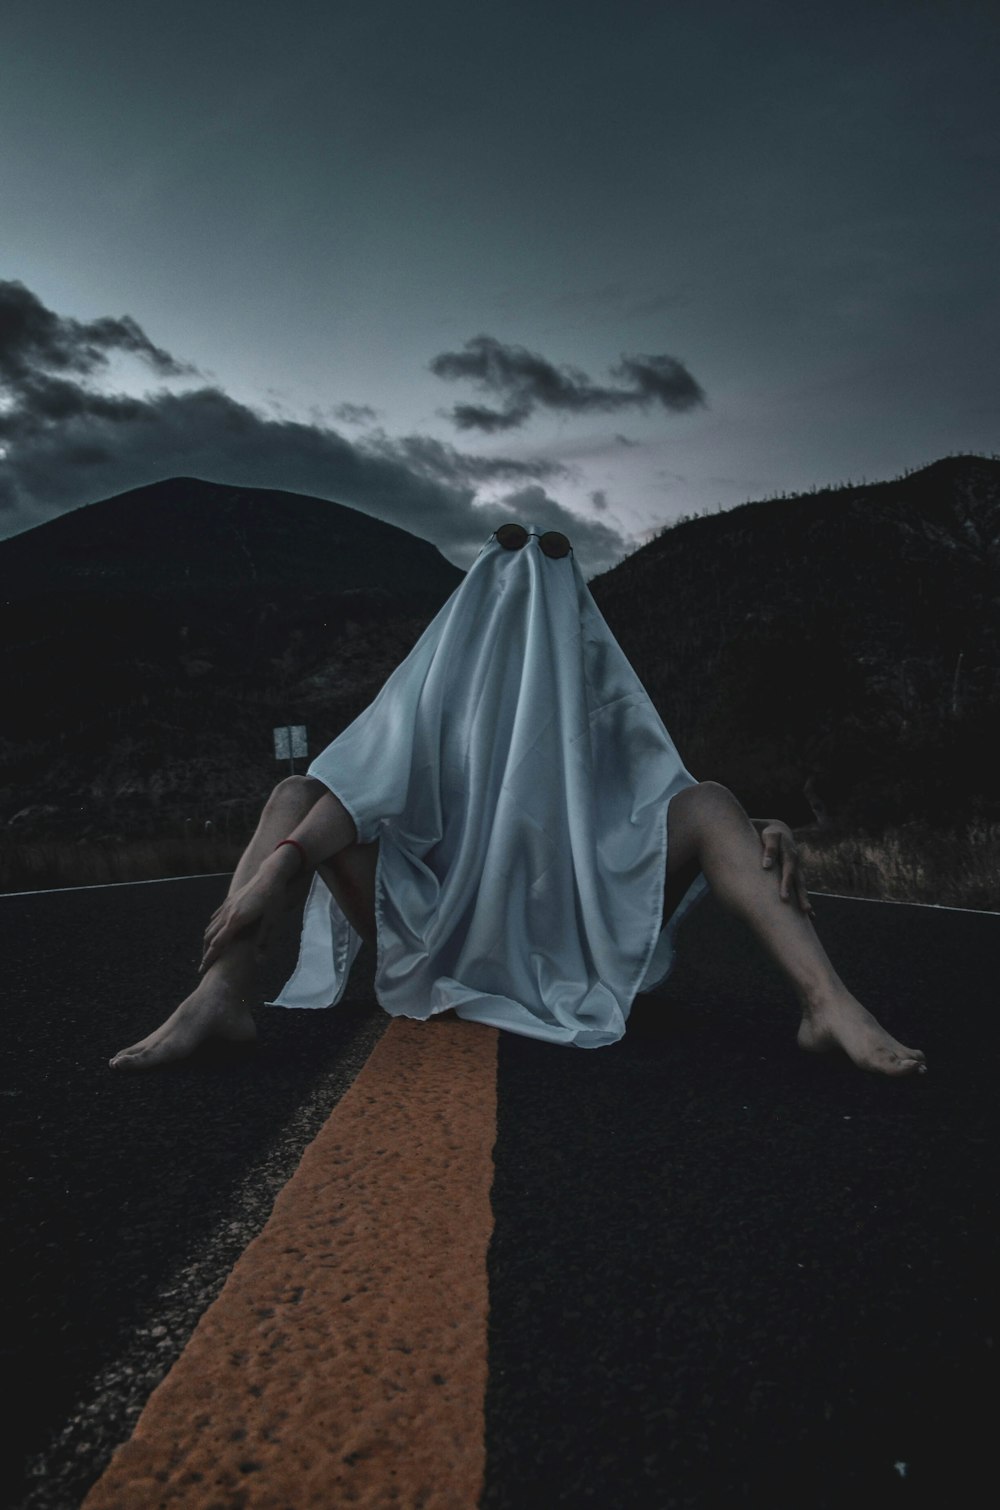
350, 875
221, 1004
707, 823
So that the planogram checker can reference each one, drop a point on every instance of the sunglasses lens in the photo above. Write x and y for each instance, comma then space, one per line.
554, 544
512, 536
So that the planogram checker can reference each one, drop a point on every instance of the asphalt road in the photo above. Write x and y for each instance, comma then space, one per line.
721, 1271
129, 1198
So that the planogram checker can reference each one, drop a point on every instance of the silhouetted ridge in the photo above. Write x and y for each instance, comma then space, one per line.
836, 652
848, 638
184, 535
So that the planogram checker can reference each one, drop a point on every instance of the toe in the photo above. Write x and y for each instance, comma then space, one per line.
904, 1064
889, 1060
125, 1060
912, 1058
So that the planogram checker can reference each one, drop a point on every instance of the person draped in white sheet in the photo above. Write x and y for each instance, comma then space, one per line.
511, 827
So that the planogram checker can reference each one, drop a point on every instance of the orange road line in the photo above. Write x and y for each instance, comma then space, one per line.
344, 1361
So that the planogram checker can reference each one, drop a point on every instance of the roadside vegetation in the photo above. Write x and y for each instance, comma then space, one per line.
40, 864
956, 867
953, 867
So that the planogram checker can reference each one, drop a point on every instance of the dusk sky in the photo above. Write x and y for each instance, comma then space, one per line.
592, 265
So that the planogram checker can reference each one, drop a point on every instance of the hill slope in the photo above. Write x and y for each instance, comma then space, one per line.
849, 639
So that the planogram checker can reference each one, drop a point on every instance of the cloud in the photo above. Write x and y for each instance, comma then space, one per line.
66, 442
437, 459
356, 414
477, 417
33, 340
523, 381
658, 378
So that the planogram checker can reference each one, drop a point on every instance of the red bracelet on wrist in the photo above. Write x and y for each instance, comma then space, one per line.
298, 846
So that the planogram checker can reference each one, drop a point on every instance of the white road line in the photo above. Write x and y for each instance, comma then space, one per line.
107, 885
209, 875
891, 902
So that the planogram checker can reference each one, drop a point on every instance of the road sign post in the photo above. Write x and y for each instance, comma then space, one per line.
290, 742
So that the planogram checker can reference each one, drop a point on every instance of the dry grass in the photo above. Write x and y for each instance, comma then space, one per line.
957, 867
35, 865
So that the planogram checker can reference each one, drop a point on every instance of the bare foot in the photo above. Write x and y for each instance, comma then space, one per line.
215, 1009
844, 1023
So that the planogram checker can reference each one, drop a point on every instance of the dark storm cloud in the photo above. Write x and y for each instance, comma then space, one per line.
477, 417
656, 379
64, 443
41, 400
34, 340
524, 381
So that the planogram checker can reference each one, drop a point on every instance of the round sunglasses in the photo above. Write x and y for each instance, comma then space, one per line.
513, 537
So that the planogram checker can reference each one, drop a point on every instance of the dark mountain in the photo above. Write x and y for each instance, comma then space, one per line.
187, 539
839, 648
154, 639
845, 641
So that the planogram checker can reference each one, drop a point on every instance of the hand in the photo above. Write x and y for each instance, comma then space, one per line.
780, 848
256, 906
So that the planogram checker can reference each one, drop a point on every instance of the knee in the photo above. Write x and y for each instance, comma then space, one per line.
296, 794
713, 792
712, 799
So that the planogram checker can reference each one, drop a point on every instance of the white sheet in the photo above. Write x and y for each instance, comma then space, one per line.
517, 777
